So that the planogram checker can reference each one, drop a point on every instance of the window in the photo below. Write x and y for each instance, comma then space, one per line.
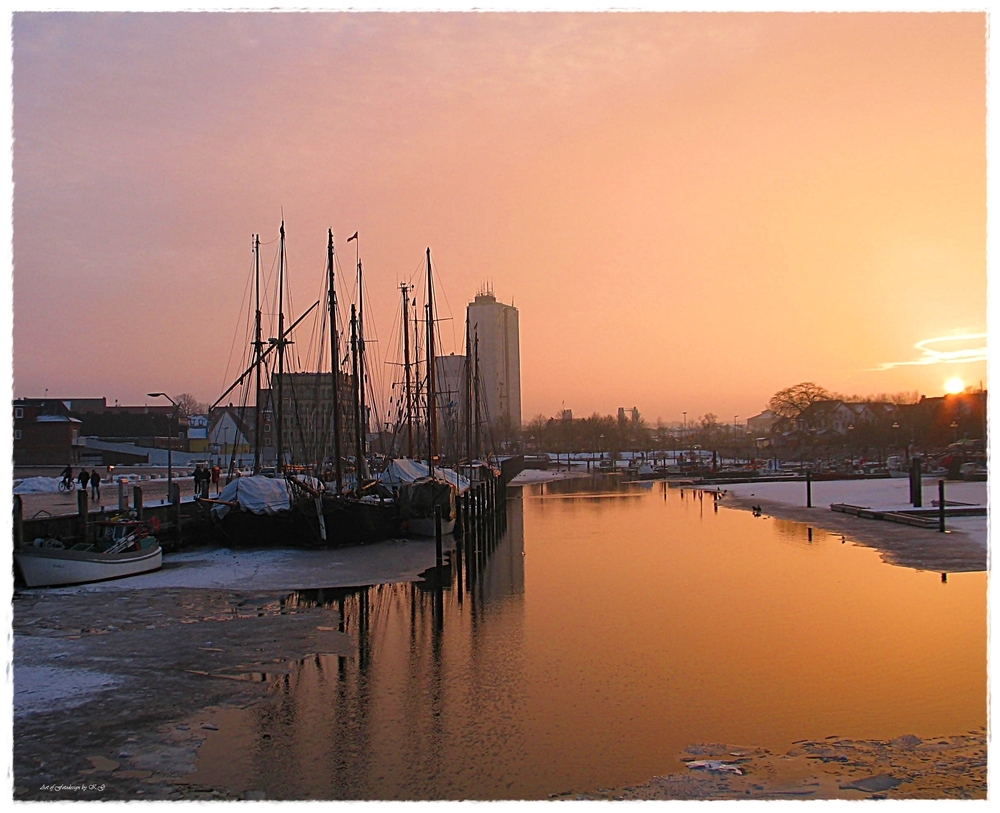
17, 434
18, 412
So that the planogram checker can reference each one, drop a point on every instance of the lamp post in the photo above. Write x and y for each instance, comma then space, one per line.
170, 443
954, 431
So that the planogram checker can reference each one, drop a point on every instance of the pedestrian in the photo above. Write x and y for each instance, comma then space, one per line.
215, 479
83, 477
95, 485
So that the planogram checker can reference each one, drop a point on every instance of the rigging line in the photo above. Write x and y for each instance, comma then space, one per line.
244, 301
440, 287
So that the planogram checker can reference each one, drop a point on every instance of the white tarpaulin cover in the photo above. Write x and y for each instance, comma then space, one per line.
403, 470
259, 495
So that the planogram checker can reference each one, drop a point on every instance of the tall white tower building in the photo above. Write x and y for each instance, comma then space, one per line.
499, 358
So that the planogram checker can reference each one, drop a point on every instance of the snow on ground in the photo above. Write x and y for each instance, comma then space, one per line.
539, 476
395, 560
37, 485
37, 688
879, 494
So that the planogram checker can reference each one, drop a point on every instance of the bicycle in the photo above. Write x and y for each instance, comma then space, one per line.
67, 485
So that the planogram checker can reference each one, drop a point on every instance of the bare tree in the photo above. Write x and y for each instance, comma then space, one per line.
791, 402
187, 404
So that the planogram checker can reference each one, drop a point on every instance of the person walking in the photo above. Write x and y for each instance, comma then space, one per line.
83, 478
215, 479
95, 486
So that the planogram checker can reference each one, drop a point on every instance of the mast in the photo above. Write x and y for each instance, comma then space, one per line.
363, 453
468, 395
334, 364
475, 394
359, 457
257, 350
279, 408
408, 394
431, 389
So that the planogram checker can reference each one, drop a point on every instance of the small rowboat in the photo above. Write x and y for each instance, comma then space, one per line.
126, 549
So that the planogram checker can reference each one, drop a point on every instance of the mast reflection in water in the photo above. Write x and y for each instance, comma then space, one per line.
590, 637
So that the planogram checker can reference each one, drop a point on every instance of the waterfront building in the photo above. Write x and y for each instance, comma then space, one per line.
45, 433
496, 325
307, 416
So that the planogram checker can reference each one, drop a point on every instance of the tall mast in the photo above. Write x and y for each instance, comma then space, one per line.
361, 358
279, 408
431, 389
359, 468
408, 393
334, 363
468, 395
475, 394
258, 349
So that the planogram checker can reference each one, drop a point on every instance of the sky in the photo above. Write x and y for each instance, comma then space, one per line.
690, 211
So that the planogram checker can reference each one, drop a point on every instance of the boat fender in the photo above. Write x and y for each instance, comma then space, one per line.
53, 543
154, 524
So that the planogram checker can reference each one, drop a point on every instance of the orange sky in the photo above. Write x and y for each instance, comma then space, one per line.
690, 211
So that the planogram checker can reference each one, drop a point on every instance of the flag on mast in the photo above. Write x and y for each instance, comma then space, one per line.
352, 237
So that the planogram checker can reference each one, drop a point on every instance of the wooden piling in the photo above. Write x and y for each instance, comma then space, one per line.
137, 502
18, 522
82, 510
916, 484
122, 495
438, 552
809, 490
175, 508
941, 505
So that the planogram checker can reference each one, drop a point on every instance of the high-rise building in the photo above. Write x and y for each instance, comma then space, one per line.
499, 359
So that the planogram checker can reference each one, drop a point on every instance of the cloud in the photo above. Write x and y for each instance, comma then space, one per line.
935, 356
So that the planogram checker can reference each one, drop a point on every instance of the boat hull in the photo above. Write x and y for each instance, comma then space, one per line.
54, 567
424, 526
345, 522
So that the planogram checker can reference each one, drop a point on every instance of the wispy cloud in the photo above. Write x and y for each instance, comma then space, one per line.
933, 355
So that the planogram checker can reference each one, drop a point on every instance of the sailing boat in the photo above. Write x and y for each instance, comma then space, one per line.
420, 487
294, 508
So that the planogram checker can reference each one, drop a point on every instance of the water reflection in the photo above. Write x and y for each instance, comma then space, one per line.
578, 644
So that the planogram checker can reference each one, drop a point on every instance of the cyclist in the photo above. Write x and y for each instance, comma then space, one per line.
67, 478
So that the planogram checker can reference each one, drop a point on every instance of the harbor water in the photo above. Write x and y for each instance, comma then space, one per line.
599, 631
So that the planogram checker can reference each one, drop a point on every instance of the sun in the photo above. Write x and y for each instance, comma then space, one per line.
953, 386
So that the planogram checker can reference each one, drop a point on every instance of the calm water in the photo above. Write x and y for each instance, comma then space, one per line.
606, 631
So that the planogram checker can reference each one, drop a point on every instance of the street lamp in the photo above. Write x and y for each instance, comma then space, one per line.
170, 443
954, 429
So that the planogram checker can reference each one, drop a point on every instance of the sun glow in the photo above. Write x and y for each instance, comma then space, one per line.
954, 386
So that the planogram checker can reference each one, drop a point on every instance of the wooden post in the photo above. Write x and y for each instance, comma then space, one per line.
941, 505
122, 495
918, 487
809, 490
18, 522
459, 519
137, 501
175, 500
82, 509
438, 553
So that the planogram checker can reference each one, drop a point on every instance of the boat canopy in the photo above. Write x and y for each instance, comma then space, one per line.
257, 494
403, 470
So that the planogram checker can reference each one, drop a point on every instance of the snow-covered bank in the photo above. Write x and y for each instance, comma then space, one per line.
539, 476
37, 485
395, 560
963, 548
